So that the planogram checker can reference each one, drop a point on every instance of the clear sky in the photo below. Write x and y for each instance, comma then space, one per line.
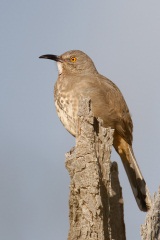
123, 39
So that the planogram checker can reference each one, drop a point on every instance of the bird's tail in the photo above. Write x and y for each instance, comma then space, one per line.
137, 182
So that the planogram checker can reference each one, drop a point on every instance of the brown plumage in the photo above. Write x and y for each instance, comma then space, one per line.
79, 77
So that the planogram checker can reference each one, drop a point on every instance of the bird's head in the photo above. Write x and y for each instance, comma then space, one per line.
74, 61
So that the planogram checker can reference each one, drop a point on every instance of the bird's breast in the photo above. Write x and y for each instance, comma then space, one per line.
67, 107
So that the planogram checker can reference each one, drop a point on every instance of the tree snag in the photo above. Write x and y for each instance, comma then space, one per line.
150, 230
95, 204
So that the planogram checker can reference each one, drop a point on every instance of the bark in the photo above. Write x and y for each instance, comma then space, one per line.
95, 204
151, 228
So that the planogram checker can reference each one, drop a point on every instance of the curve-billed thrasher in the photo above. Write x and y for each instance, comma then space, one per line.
79, 77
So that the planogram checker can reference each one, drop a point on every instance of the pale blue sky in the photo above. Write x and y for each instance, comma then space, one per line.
123, 39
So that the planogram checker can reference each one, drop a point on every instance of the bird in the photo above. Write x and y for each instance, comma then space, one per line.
78, 77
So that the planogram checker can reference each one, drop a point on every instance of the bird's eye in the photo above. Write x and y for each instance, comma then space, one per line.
73, 59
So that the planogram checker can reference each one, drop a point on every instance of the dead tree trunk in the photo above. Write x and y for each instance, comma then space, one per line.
151, 229
95, 204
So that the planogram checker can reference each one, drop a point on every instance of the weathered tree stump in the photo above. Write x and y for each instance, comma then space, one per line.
95, 204
151, 229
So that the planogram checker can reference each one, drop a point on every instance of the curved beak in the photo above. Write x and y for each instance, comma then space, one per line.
52, 57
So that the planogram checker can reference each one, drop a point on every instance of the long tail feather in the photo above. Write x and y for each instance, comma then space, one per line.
137, 182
